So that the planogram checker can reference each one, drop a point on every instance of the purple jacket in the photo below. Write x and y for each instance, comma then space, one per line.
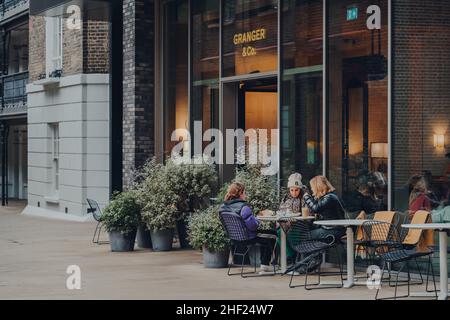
241, 207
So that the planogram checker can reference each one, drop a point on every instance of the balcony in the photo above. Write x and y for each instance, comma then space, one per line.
12, 8
14, 98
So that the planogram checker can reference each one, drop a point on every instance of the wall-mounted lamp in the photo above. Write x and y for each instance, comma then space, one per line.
439, 141
380, 153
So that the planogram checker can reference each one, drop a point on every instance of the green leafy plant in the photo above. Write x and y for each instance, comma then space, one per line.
206, 230
193, 183
158, 200
261, 190
123, 213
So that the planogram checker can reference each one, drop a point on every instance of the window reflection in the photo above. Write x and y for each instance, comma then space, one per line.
357, 98
176, 115
302, 90
250, 30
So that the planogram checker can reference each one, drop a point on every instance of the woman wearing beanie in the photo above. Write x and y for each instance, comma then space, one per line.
292, 201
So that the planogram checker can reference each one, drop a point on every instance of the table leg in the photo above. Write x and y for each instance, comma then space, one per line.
350, 259
443, 243
283, 257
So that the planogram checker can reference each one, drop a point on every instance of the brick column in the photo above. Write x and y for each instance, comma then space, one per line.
138, 85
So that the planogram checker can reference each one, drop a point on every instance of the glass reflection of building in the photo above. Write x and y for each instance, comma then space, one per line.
351, 99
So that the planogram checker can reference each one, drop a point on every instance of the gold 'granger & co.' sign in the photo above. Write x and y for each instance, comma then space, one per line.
248, 37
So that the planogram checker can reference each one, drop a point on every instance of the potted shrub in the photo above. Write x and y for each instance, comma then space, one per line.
143, 237
160, 212
121, 219
207, 233
194, 184
148, 171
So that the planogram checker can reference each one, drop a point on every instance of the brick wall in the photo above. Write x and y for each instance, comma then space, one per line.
36, 47
421, 86
138, 93
96, 47
84, 51
72, 51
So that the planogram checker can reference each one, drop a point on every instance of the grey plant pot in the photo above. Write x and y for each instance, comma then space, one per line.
162, 240
121, 243
144, 238
215, 260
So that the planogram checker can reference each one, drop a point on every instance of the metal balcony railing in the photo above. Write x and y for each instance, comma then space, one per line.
14, 93
7, 6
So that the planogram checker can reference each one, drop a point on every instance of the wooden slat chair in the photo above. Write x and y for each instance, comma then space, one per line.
362, 240
419, 240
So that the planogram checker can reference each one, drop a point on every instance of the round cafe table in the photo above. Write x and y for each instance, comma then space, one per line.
349, 224
443, 229
280, 218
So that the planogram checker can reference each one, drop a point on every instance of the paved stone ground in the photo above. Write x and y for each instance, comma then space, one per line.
35, 252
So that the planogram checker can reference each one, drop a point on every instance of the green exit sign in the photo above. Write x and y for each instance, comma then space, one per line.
352, 13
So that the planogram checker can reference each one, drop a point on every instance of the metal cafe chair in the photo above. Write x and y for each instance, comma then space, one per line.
308, 256
237, 232
94, 208
389, 246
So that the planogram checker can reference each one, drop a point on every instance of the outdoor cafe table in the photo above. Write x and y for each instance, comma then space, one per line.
443, 229
349, 224
283, 219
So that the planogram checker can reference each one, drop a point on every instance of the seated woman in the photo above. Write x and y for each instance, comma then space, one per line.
421, 198
235, 202
293, 201
326, 204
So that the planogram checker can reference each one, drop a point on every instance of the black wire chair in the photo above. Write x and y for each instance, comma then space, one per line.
94, 208
237, 232
309, 256
386, 240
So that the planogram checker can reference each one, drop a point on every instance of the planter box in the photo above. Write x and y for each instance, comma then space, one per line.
215, 260
143, 237
162, 240
121, 243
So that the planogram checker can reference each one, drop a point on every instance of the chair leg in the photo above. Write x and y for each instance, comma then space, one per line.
293, 271
99, 233
232, 261
95, 233
434, 278
230, 265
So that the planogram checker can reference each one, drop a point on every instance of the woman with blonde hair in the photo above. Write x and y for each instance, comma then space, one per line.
325, 203
235, 201
420, 197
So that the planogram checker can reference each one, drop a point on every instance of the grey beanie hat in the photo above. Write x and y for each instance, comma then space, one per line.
295, 181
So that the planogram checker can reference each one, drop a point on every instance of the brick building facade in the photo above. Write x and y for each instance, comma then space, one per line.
346, 86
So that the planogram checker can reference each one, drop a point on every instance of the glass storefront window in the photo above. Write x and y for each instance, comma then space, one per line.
176, 58
302, 89
357, 106
205, 63
250, 36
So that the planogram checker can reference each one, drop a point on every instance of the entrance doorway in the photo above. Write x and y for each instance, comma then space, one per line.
249, 104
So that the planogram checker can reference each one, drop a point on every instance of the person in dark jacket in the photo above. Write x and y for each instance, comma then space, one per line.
327, 206
235, 202
362, 199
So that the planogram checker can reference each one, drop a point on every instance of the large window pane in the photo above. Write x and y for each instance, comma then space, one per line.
358, 96
205, 58
250, 29
301, 112
176, 113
